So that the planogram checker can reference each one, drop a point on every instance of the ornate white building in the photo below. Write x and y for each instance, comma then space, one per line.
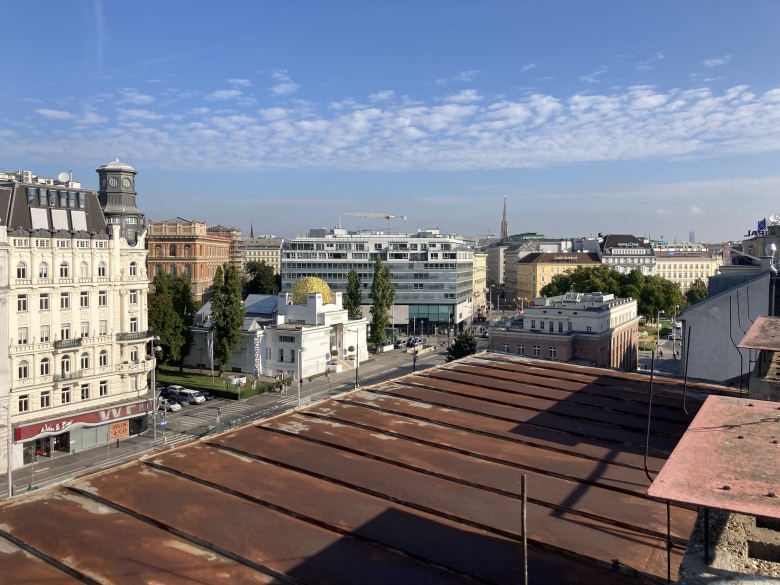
73, 314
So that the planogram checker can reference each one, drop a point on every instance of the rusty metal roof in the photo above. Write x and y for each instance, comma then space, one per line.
727, 459
764, 333
416, 480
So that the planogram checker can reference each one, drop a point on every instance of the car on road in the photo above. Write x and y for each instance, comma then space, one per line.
401, 343
485, 335
207, 395
416, 341
192, 396
179, 399
169, 405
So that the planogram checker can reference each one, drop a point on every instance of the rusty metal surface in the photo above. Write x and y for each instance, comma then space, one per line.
764, 333
727, 459
18, 567
414, 480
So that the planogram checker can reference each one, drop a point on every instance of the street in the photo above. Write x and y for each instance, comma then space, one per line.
665, 361
195, 421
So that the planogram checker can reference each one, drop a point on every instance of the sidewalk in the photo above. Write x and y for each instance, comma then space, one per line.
48, 471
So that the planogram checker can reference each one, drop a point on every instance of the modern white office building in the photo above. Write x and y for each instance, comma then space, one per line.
73, 315
432, 272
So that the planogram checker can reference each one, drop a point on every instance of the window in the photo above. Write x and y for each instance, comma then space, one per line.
553, 351
83, 270
133, 383
173, 250
133, 354
84, 300
21, 270
505, 347
64, 300
521, 349
45, 399
45, 367
84, 329
533, 323
102, 269
24, 370
102, 298
104, 387
64, 270
65, 331
43, 270
133, 297
44, 334
103, 328
133, 269
537, 351
541, 324
85, 391
43, 302
551, 326
23, 336
281, 355
103, 358
133, 324
560, 326
65, 396
21, 303
588, 328
65, 365
24, 403
85, 361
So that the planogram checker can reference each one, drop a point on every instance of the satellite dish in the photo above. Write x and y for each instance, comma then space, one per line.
63, 177
774, 218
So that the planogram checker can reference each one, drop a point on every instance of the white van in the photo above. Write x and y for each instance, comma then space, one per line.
193, 396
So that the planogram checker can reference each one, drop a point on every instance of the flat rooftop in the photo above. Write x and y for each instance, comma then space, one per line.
415, 480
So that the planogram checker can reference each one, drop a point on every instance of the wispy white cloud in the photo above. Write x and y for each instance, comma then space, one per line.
223, 94
54, 114
651, 62
129, 95
91, 118
136, 114
529, 66
285, 86
240, 82
465, 96
382, 95
594, 77
717, 61
460, 77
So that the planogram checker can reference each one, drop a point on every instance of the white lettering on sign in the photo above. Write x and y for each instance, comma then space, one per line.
57, 427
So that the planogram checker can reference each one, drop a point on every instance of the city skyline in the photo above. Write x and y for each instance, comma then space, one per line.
655, 120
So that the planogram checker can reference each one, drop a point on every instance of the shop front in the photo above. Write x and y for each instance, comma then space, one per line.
78, 432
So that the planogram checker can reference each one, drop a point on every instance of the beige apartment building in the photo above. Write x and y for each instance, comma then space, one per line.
266, 249
535, 270
684, 267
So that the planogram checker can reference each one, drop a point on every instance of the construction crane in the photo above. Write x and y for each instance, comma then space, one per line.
477, 239
387, 216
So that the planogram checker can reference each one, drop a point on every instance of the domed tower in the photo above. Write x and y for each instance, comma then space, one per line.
117, 198
307, 285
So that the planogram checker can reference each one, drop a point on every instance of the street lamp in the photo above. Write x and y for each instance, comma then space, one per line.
300, 374
674, 331
490, 302
658, 327
155, 349
9, 446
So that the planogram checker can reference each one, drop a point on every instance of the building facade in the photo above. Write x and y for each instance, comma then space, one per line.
684, 266
621, 252
537, 269
432, 273
236, 244
73, 372
266, 249
592, 329
179, 246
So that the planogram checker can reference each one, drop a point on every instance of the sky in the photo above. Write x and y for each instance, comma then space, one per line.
649, 118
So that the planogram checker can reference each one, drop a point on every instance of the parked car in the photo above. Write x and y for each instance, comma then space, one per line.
175, 388
485, 335
180, 399
207, 395
416, 341
192, 396
401, 343
169, 405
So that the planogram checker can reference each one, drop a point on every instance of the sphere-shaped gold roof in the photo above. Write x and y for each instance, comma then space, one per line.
309, 285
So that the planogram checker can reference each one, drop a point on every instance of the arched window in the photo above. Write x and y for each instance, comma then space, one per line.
83, 270
45, 366
85, 361
24, 370
64, 270
43, 270
103, 358
133, 269
133, 354
102, 268
21, 270
65, 365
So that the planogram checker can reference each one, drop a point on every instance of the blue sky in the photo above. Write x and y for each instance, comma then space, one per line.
652, 118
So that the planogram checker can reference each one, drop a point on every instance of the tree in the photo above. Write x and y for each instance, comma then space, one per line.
382, 296
262, 280
171, 316
227, 314
464, 344
697, 292
354, 297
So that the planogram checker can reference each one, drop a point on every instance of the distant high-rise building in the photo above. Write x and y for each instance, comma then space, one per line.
691, 237
504, 225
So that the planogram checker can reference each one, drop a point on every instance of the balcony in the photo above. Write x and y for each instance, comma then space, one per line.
69, 376
135, 335
68, 343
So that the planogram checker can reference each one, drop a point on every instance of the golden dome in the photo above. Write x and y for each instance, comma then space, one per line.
309, 285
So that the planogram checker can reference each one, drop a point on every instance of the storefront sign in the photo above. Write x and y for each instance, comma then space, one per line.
87, 419
119, 430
